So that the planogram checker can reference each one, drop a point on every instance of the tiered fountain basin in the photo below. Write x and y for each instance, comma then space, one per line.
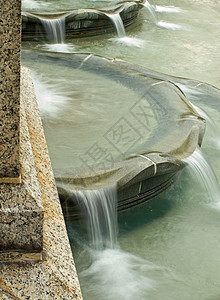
144, 147
79, 22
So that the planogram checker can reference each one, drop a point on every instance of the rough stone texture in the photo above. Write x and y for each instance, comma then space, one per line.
21, 209
10, 24
55, 276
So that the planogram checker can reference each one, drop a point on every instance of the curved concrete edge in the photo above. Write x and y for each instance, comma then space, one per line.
138, 181
23, 275
205, 92
142, 175
80, 22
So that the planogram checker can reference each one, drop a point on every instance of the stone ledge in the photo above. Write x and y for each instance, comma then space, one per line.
21, 208
54, 277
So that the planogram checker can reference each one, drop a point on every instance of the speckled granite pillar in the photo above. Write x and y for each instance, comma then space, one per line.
23, 275
35, 256
10, 20
21, 208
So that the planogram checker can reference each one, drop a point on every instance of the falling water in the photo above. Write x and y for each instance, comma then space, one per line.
100, 208
195, 94
55, 29
112, 273
118, 24
214, 135
204, 173
208, 120
122, 38
151, 10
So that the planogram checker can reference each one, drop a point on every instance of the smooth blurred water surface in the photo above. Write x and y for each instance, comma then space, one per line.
191, 50
168, 248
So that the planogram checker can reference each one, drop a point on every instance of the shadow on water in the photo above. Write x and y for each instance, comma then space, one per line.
150, 211
134, 277
134, 218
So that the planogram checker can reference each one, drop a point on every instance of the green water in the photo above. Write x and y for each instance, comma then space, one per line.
168, 248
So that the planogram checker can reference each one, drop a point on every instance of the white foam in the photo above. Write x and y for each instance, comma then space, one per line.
60, 47
204, 174
116, 274
168, 9
50, 97
167, 25
129, 41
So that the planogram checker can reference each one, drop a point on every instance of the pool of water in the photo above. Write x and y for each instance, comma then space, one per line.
169, 247
50, 5
191, 50
78, 109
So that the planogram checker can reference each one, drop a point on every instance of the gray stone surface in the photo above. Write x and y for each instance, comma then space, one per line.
10, 90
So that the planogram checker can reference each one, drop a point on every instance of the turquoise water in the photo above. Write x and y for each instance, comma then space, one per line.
169, 247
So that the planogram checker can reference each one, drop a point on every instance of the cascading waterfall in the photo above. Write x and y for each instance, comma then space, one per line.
55, 29
206, 117
204, 173
100, 209
122, 38
152, 8
186, 237
113, 273
118, 24
214, 132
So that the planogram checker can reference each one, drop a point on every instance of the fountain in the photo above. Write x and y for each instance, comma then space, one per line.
99, 209
149, 161
151, 10
81, 22
55, 29
87, 22
204, 173
166, 248
118, 23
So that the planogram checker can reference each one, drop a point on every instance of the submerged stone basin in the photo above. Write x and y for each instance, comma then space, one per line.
159, 130
79, 22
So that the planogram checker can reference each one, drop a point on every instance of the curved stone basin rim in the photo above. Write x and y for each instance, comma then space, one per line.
79, 22
162, 158
118, 71
117, 9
